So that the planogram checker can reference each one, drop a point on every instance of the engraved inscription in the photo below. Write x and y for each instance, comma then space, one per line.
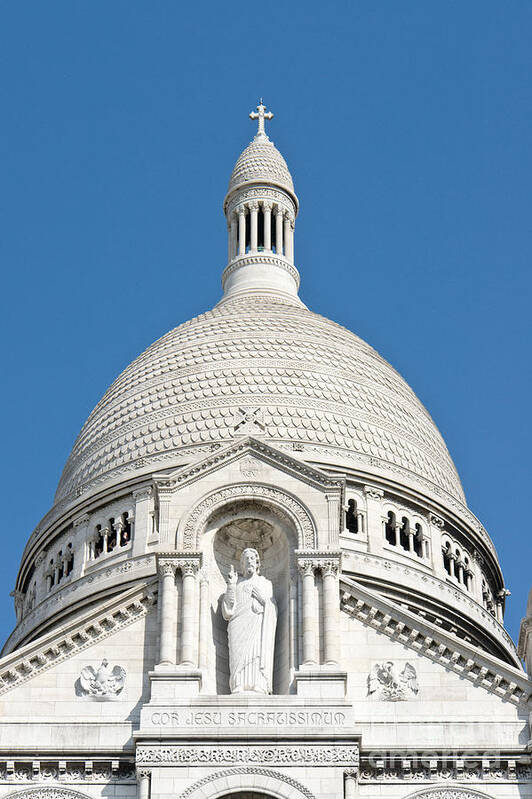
248, 718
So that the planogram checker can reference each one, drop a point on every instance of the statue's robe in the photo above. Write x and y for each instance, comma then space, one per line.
252, 619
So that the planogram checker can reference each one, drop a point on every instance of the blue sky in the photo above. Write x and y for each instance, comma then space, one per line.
406, 126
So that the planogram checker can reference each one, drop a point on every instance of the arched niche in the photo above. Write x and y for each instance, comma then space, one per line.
227, 532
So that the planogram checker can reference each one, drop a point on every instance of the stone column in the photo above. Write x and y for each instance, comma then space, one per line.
331, 602
374, 517
143, 519
308, 625
411, 534
254, 214
351, 784
143, 781
287, 237
279, 230
242, 231
267, 211
167, 594
452, 559
232, 237
204, 625
189, 618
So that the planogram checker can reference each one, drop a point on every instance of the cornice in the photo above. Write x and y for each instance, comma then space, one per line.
263, 452
490, 673
59, 645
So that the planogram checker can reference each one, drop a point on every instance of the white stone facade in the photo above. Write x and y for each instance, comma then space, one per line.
261, 425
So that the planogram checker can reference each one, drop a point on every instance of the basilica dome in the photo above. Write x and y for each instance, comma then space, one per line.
265, 368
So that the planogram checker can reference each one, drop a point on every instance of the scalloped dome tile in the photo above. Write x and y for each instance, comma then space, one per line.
313, 381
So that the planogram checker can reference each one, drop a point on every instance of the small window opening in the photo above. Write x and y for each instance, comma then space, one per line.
404, 533
389, 529
351, 516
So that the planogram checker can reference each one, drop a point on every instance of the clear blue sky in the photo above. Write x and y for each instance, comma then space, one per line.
406, 125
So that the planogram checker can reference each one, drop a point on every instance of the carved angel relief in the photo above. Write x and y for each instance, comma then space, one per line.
387, 683
103, 683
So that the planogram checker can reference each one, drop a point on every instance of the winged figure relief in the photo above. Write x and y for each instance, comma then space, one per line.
387, 683
103, 681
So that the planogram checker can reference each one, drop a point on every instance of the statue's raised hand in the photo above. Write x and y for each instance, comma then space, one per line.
232, 577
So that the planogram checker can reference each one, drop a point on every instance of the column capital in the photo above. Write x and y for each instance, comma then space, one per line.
330, 567
241, 210
166, 567
188, 566
253, 205
267, 205
307, 566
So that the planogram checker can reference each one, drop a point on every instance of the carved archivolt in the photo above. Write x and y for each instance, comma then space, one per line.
278, 500
447, 792
234, 779
43, 792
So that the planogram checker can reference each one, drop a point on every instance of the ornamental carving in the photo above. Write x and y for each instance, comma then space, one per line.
247, 771
103, 682
311, 755
46, 793
389, 683
306, 532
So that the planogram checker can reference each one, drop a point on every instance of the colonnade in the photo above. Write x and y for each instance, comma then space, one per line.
192, 645
194, 606
244, 220
328, 568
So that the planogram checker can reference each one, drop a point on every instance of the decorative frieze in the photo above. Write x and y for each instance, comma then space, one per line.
421, 768
98, 770
276, 754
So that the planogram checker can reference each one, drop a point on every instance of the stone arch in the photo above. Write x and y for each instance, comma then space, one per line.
46, 792
447, 791
235, 780
189, 533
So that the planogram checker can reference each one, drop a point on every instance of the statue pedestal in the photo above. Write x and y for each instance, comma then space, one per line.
328, 682
174, 682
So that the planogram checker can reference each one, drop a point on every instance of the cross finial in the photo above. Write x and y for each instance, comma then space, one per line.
261, 114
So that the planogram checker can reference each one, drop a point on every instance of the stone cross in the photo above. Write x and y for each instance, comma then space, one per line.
261, 114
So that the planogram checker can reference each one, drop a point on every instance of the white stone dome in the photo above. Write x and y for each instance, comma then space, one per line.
261, 162
264, 367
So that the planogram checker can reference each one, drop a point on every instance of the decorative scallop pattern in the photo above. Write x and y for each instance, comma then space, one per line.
258, 366
261, 160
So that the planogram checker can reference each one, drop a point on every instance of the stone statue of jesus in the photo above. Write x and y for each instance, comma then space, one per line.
249, 607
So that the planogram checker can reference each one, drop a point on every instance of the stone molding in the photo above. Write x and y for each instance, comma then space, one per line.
429, 582
56, 647
275, 196
433, 769
429, 640
272, 754
104, 572
280, 784
49, 770
264, 452
260, 258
